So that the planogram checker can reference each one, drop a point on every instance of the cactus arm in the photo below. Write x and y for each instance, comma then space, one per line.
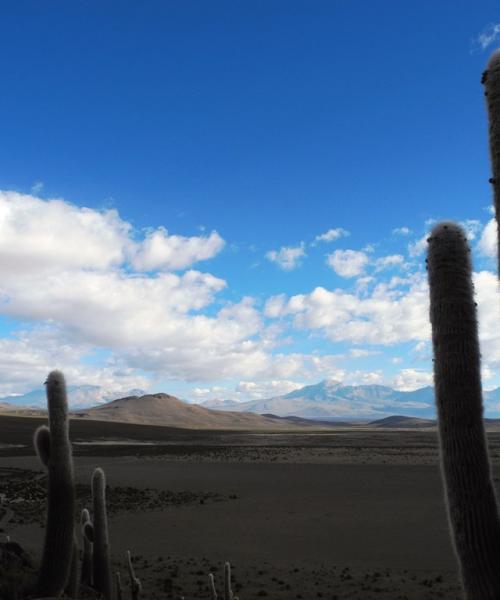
87, 536
54, 447
135, 583
211, 585
101, 562
41, 442
491, 80
470, 495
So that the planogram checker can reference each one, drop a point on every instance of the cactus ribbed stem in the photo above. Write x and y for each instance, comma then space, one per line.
491, 80
471, 500
101, 562
54, 449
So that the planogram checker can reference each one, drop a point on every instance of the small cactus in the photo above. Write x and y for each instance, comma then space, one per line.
135, 583
87, 537
228, 592
54, 450
119, 589
211, 585
101, 560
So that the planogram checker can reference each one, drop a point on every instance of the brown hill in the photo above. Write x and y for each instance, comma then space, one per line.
162, 409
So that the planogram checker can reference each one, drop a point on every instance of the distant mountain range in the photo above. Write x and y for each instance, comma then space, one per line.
323, 405
81, 396
331, 400
162, 409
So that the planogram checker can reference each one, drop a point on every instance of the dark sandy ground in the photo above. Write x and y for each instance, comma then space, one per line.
293, 530
347, 514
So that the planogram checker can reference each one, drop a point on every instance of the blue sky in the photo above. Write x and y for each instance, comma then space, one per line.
227, 199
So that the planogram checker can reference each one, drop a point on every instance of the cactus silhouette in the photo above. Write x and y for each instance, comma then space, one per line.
471, 500
54, 450
101, 561
491, 80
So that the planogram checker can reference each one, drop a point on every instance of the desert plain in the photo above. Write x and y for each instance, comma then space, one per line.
344, 513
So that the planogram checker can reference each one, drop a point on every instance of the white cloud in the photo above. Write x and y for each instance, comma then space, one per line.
287, 257
41, 236
347, 263
331, 235
362, 352
385, 316
471, 228
274, 306
386, 262
489, 35
401, 231
488, 241
412, 379
170, 252
418, 247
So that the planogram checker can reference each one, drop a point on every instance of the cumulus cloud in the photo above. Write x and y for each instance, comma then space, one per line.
347, 263
79, 272
171, 252
331, 235
488, 242
287, 257
385, 316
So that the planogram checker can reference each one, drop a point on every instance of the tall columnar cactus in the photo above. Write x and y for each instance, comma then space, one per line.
101, 562
54, 450
491, 80
471, 501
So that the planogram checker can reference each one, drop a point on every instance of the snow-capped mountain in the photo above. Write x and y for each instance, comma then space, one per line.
331, 399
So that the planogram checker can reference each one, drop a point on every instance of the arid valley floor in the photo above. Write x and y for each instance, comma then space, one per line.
338, 514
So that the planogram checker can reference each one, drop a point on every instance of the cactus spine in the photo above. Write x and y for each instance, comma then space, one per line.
471, 501
54, 450
491, 80
101, 562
